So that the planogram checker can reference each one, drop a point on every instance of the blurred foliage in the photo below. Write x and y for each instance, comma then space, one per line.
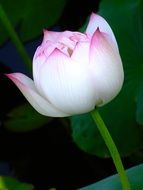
87, 136
135, 175
124, 115
8, 183
24, 118
31, 16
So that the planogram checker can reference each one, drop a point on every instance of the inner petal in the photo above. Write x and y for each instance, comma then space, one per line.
67, 44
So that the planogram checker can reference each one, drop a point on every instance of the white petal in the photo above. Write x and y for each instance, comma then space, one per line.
39, 59
27, 87
97, 21
81, 53
67, 85
106, 67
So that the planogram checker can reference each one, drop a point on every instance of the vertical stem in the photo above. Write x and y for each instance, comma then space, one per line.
14, 37
112, 148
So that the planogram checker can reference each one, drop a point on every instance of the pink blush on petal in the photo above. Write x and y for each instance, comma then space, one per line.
68, 44
64, 41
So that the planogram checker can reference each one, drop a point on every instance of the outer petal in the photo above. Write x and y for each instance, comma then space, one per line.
26, 86
106, 67
81, 53
97, 21
39, 59
51, 40
68, 85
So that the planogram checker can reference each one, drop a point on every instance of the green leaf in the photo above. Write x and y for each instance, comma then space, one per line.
41, 14
124, 114
139, 112
24, 118
121, 123
135, 175
127, 24
9, 183
13, 12
86, 135
31, 15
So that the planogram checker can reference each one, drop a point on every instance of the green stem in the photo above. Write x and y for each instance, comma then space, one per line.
112, 148
14, 37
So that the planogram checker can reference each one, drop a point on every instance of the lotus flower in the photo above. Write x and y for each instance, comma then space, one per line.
73, 72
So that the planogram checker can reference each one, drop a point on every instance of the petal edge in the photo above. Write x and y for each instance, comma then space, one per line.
96, 21
27, 87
